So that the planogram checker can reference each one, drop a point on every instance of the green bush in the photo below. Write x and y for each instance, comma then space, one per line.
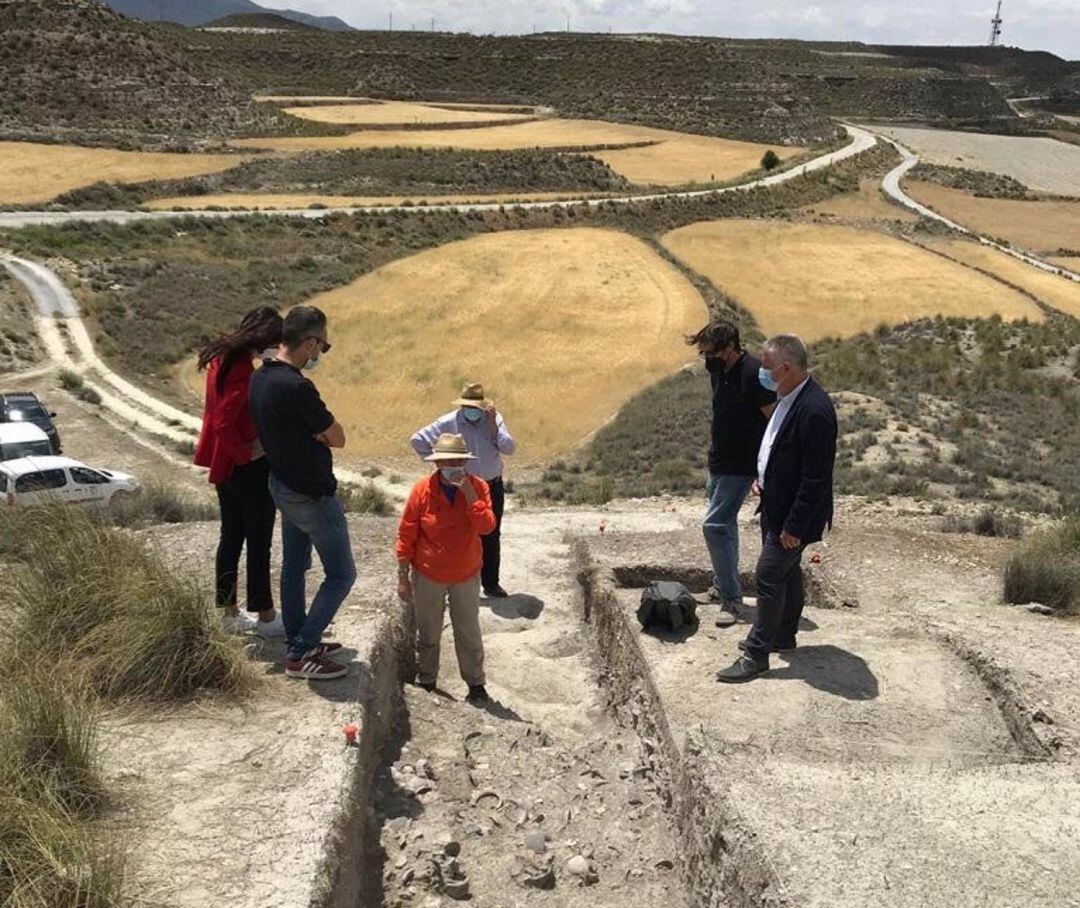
770, 160
1046, 568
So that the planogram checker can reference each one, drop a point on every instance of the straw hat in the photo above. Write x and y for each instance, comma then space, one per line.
472, 395
450, 447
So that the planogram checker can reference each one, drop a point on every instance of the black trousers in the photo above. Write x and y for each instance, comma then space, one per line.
247, 516
780, 595
492, 542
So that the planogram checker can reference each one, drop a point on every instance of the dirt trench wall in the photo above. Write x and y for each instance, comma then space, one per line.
722, 863
341, 879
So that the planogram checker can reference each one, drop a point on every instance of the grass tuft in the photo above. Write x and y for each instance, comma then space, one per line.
364, 499
97, 598
1046, 569
157, 503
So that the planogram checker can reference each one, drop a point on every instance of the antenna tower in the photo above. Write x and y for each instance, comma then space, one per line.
995, 26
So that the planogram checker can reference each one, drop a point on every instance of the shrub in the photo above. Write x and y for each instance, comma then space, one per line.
770, 160
987, 522
96, 600
70, 380
365, 499
1046, 568
157, 503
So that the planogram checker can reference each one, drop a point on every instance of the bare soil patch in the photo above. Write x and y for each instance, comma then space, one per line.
268, 201
1055, 291
395, 113
681, 158
32, 172
1038, 226
821, 281
1045, 165
562, 326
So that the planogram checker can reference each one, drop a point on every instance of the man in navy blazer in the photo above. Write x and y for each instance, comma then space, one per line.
795, 482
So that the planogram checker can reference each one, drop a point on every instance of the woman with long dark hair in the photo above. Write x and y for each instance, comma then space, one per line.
229, 446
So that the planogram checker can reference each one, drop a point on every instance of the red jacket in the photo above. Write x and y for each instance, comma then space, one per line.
227, 428
442, 540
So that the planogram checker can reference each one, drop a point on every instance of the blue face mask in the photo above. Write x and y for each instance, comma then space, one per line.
766, 379
473, 414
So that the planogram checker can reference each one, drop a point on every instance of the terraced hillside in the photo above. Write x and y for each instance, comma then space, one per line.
779, 91
73, 69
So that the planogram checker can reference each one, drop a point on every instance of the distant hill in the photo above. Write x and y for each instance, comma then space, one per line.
258, 21
74, 69
202, 12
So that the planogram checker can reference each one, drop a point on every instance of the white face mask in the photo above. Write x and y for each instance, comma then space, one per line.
453, 474
313, 363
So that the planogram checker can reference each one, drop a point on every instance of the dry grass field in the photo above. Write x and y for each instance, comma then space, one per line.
677, 158
1071, 262
1044, 165
562, 326
1058, 292
829, 281
396, 113
1037, 226
32, 172
868, 204
267, 201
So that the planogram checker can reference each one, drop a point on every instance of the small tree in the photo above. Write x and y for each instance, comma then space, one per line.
770, 160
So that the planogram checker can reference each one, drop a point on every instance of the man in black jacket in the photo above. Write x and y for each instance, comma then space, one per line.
795, 481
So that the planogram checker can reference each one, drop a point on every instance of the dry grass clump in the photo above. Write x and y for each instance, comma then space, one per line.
97, 599
157, 503
49, 787
1046, 569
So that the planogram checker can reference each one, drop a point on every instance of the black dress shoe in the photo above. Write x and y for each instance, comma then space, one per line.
743, 669
477, 694
495, 592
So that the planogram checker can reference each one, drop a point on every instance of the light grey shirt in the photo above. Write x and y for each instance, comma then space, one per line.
776, 423
487, 446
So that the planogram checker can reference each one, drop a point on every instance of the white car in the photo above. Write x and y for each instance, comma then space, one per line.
39, 480
23, 439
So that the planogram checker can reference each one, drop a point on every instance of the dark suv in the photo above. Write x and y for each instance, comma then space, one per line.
24, 406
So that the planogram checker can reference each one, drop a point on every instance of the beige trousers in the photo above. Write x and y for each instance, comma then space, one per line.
428, 607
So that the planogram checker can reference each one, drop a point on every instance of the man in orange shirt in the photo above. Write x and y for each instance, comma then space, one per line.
439, 557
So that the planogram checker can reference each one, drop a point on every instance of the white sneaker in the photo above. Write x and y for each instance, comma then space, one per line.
270, 629
237, 624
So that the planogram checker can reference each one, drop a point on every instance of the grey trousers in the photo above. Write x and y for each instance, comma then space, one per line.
429, 606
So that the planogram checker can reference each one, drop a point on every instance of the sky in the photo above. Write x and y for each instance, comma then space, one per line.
1052, 25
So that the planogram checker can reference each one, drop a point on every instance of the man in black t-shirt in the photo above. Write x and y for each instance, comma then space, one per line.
297, 432
741, 407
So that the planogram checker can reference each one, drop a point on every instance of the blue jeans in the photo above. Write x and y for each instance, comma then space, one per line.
308, 522
726, 494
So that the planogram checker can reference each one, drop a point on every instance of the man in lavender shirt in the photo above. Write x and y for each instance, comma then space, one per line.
485, 433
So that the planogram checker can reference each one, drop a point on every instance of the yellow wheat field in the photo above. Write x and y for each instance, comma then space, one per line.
1059, 292
675, 159
269, 201
867, 204
1037, 226
819, 281
562, 326
395, 113
1071, 263
32, 172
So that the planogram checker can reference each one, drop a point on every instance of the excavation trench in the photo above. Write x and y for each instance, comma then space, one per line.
545, 796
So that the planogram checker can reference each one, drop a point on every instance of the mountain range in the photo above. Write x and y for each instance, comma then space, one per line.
202, 12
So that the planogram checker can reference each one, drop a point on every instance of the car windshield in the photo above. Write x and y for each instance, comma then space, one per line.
26, 412
16, 449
